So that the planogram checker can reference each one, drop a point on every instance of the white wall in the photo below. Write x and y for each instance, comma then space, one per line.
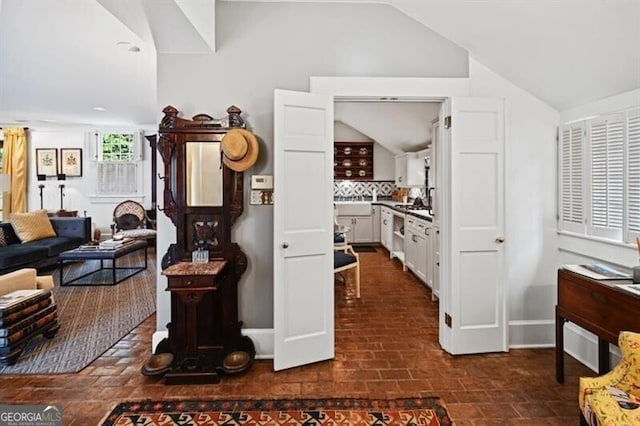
263, 46
384, 163
344, 133
530, 185
77, 189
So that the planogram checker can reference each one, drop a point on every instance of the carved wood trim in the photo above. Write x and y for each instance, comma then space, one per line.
172, 131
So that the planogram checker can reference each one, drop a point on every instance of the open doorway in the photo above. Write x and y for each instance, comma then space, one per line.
472, 219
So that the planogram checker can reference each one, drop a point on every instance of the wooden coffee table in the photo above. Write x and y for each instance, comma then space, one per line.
112, 255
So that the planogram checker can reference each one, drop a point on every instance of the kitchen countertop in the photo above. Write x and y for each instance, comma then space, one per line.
394, 205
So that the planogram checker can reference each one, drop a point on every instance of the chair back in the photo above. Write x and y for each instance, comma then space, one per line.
129, 214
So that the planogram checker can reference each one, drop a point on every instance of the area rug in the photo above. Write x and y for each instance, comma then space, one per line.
364, 249
92, 319
290, 412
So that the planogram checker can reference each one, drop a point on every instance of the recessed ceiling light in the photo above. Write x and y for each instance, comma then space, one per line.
99, 108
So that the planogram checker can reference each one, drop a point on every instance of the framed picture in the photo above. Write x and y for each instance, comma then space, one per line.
71, 161
47, 161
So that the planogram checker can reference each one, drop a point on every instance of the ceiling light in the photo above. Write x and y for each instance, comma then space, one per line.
99, 108
125, 45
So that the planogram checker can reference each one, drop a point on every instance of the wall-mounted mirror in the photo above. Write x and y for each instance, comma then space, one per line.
203, 174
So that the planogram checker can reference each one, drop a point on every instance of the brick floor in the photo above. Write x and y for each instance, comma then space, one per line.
386, 347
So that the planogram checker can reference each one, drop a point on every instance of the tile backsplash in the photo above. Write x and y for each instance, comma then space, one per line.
347, 189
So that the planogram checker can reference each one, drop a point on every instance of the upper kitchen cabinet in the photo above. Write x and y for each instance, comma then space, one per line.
410, 169
353, 160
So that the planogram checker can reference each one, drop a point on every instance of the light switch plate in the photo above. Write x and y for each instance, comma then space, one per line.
259, 197
261, 182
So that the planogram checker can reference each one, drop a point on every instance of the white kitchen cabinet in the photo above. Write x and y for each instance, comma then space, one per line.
435, 288
375, 222
386, 228
428, 271
409, 170
418, 251
436, 167
411, 250
397, 237
360, 228
345, 222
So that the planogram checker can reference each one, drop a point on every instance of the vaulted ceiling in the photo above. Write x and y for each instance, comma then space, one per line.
61, 59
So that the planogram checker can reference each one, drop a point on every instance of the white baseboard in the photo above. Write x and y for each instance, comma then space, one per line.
531, 334
578, 343
157, 338
262, 339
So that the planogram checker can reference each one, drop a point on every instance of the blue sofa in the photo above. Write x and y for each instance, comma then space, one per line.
71, 232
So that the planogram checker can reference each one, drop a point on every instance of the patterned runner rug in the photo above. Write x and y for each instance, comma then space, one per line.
91, 318
291, 412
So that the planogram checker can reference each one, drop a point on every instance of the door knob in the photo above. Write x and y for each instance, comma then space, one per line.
500, 240
285, 245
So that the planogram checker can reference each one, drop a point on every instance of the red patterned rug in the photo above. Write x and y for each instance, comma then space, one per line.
290, 412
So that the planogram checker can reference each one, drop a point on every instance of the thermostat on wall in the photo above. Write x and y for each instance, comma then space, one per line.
261, 182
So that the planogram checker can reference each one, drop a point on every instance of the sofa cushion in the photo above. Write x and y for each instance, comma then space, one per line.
32, 226
3, 239
20, 254
56, 245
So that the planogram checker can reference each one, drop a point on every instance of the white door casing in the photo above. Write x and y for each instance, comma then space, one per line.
303, 229
473, 227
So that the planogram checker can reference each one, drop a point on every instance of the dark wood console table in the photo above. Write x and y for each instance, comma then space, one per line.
597, 306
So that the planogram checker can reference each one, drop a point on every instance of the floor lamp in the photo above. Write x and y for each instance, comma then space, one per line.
5, 186
61, 176
41, 187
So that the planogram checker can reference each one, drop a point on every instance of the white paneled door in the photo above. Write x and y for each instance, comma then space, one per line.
303, 229
473, 312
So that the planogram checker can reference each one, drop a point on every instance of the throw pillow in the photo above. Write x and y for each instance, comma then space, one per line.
3, 239
32, 226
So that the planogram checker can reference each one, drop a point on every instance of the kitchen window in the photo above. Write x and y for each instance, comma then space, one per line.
599, 179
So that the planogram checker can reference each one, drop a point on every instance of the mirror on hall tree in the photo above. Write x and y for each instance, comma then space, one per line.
204, 174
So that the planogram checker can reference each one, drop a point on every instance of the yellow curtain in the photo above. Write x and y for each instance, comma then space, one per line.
15, 165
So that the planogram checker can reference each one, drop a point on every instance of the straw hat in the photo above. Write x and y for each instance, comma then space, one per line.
240, 148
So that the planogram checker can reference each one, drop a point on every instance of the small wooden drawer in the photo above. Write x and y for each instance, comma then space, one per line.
191, 281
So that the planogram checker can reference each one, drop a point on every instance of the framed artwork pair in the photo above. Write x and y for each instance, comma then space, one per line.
49, 164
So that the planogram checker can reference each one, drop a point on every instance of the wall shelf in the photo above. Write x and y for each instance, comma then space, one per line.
353, 160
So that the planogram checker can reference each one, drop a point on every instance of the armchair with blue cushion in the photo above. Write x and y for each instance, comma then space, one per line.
344, 258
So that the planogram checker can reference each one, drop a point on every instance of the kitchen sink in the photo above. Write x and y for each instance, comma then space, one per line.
353, 208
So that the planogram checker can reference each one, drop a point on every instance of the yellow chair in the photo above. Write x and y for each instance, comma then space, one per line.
614, 398
344, 257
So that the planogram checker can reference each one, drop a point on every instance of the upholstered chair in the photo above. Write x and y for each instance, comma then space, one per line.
344, 258
614, 398
130, 220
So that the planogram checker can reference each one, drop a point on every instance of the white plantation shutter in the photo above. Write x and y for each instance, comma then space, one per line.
572, 178
117, 178
607, 176
633, 173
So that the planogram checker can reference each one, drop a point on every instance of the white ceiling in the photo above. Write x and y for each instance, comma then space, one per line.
59, 59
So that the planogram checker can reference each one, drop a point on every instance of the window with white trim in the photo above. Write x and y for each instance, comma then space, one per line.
117, 156
599, 179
